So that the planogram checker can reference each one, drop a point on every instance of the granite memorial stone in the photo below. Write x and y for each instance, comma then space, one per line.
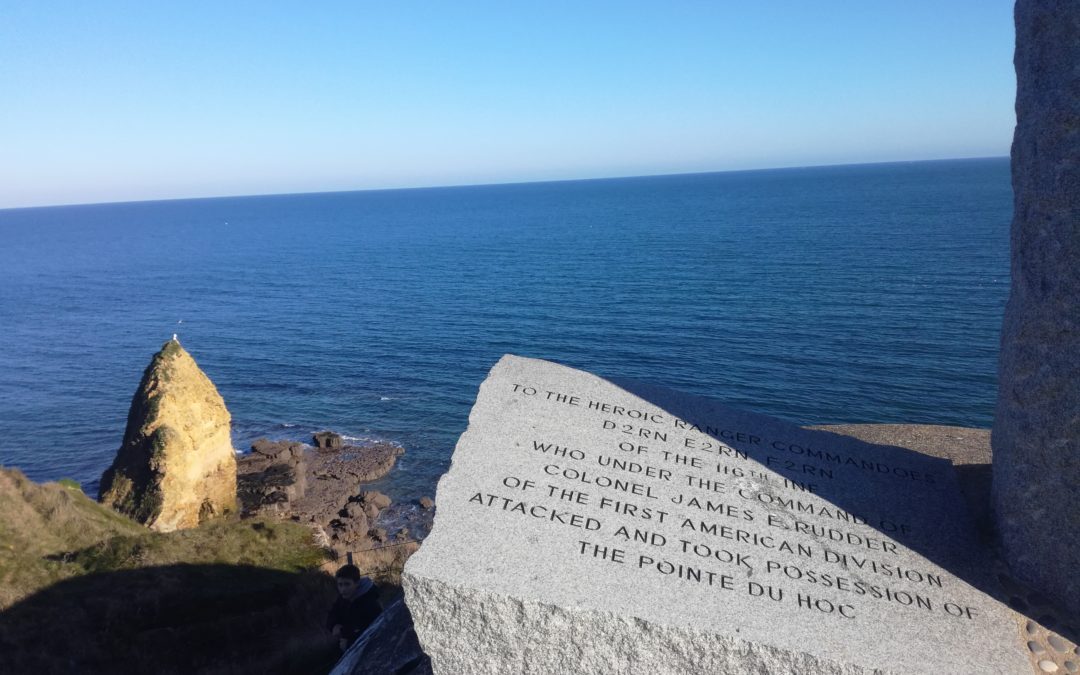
592, 527
1036, 437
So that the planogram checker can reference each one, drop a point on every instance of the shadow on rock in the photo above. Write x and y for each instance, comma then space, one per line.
959, 541
388, 646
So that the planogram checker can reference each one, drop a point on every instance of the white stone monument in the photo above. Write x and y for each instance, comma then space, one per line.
590, 527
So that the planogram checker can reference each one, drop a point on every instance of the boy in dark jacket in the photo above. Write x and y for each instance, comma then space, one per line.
356, 607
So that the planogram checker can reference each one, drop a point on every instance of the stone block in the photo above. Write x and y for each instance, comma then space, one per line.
590, 526
1036, 439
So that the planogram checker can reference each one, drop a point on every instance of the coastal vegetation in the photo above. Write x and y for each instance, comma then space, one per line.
180, 568
85, 589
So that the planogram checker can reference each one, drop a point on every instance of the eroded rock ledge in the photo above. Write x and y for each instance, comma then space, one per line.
321, 485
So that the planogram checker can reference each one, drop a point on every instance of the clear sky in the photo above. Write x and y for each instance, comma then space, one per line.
110, 101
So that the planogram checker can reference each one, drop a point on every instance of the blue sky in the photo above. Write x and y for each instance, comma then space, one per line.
112, 101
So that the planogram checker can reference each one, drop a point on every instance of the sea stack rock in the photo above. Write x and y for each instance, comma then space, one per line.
1036, 437
176, 467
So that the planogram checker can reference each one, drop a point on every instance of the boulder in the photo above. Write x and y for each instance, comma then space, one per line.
286, 451
388, 646
328, 440
269, 487
176, 466
427, 503
375, 498
355, 510
271, 476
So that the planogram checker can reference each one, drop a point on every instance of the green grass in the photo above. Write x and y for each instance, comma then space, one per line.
69, 483
53, 531
229, 596
170, 348
39, 522
262, 543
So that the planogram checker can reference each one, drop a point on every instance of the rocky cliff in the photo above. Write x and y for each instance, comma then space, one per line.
176, 466
322, 486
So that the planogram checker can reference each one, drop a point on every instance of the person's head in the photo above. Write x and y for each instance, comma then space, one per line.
348, 580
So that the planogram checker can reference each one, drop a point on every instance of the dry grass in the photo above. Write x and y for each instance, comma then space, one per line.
38, 521
83, 589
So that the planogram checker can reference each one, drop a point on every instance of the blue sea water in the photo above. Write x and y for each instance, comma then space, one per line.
869, 293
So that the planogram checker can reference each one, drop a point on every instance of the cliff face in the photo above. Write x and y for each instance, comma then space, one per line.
176, 466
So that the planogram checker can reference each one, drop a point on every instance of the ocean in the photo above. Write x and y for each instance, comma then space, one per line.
867, 293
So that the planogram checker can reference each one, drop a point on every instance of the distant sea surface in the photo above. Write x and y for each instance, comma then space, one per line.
870, 293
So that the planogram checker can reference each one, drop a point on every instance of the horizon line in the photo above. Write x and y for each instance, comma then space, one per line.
498, 183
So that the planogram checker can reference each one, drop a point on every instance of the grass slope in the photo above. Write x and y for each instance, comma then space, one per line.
84, 589
42, 521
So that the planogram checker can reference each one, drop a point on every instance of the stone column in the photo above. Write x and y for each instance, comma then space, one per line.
1036, 436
